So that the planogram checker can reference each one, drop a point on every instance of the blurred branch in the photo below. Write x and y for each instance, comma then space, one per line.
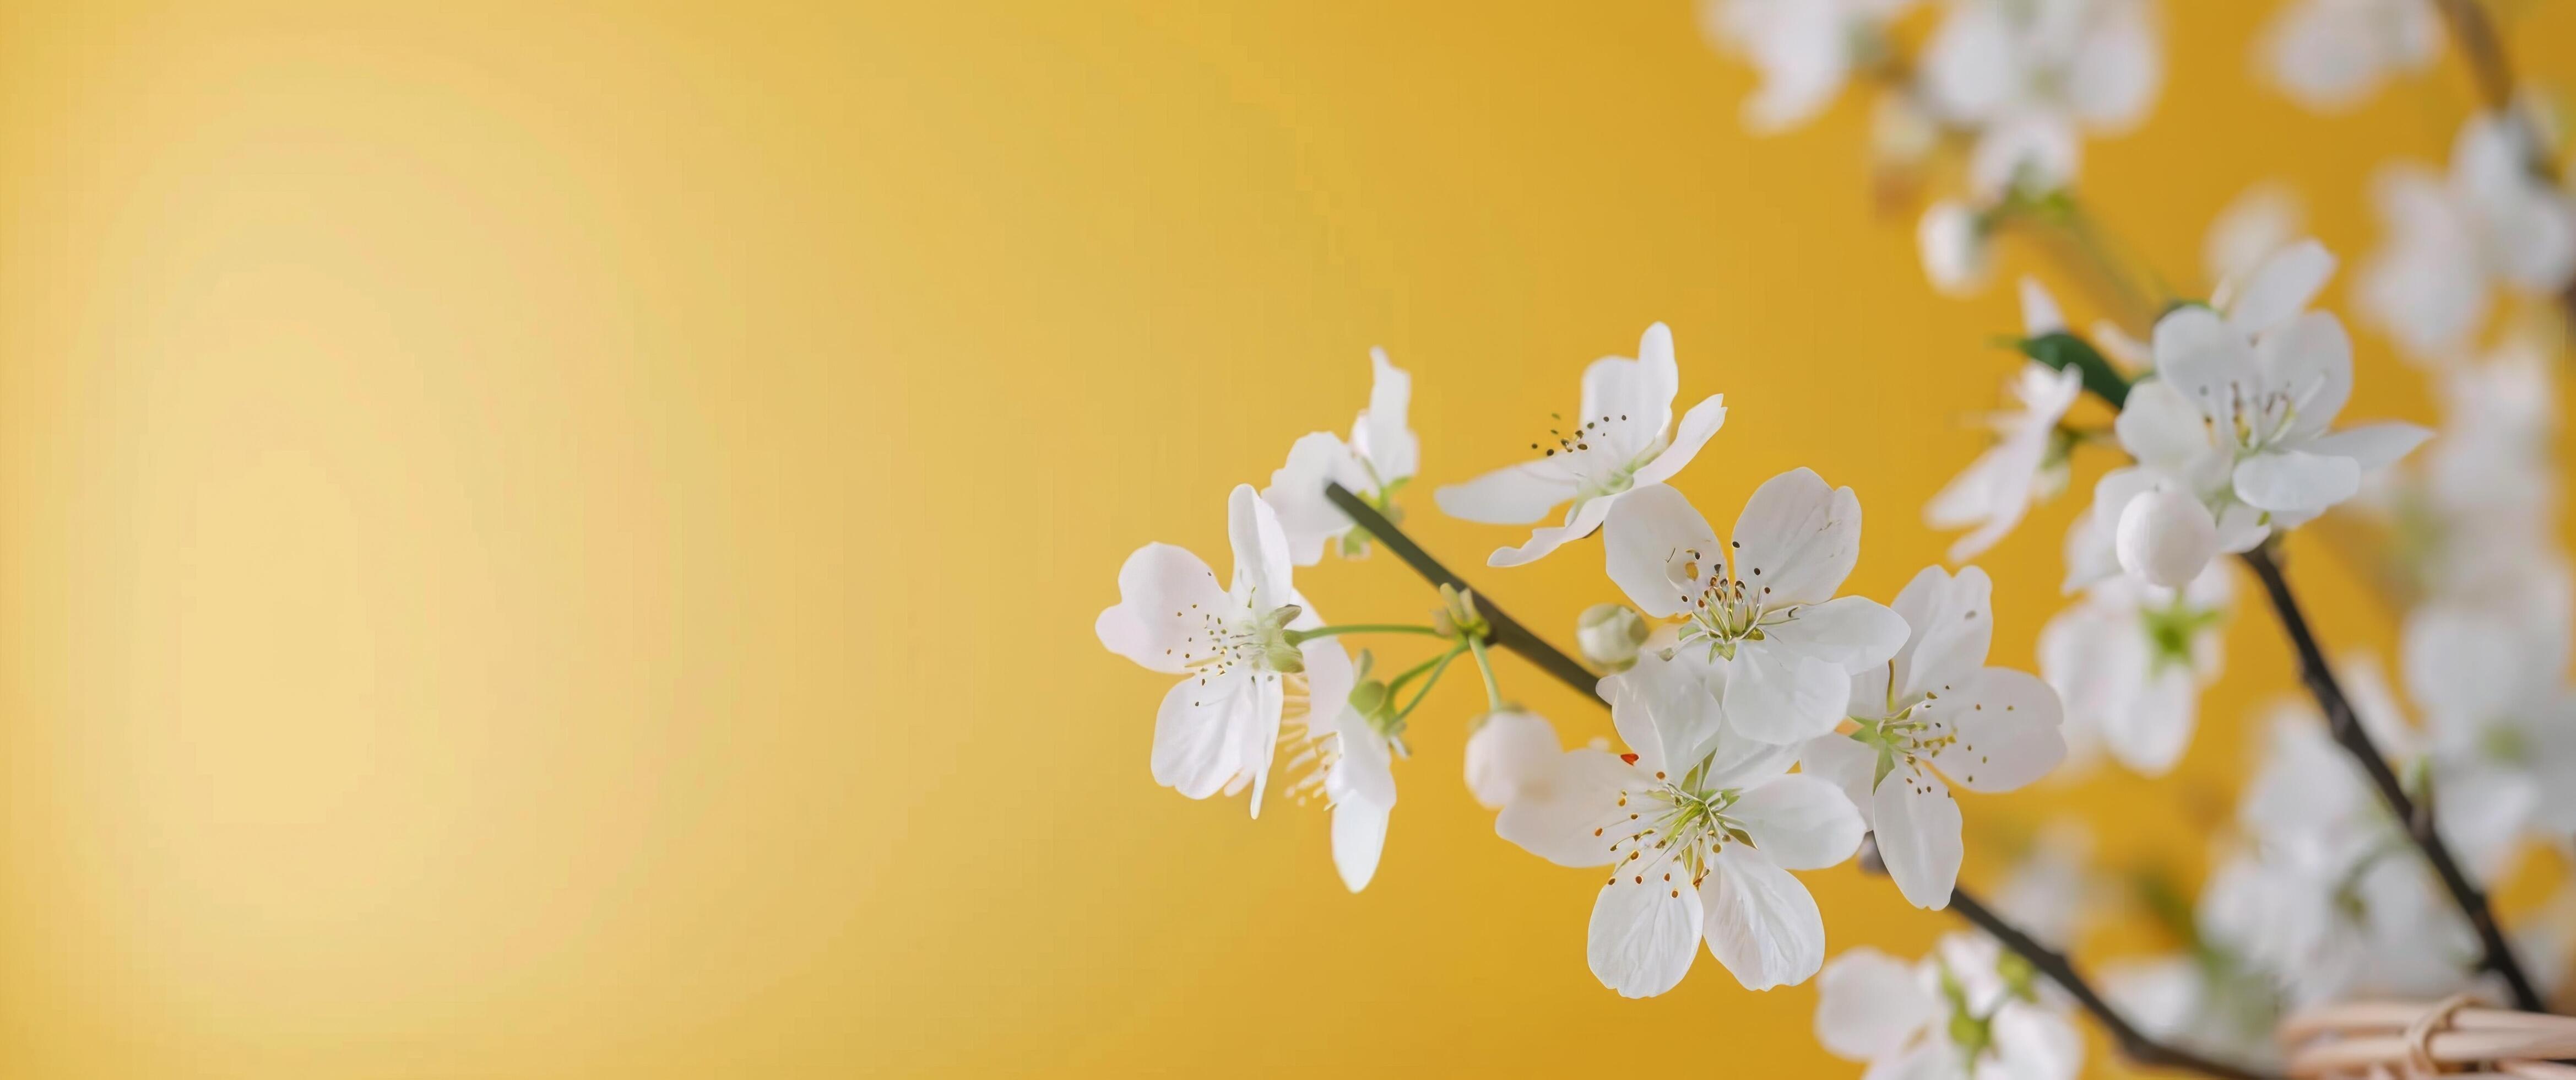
2482, 49
2413, 816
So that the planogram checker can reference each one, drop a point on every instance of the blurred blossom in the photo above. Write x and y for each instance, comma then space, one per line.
2050, 892
1954, 242
2452, 240
2262, 220
1968, 1010
1805, 49
2029, 457
1377, 461
1622, 439
1504, 751
2330, 55
2130, 661
2031, 78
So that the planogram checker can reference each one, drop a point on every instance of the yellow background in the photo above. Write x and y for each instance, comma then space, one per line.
561, 539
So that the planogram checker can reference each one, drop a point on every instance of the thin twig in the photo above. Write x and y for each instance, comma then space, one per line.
1510, 634
2415, 817
2133, 1044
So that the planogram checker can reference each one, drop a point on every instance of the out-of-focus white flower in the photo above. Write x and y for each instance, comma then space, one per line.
2330, 55
2028, 459
1610, 635
2050, 892
2238, 419
2261, 221
1967, 1011
1242, 669
1936, 710
2130, 661
2472, 523
1806, 49
2502, 720
2452, 240
1765, 647
1504, 751
1377, 461
2031, 76
1699, 829
1954, 242
1623, 439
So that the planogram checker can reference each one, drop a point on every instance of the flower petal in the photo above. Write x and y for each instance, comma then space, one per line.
1697, 427
1216, 734
1869, 1005
2035, 1044
2148, 732
1801, 822
1852, 632
1166, 598
2007, 724
1842, 761
1950, 623
1548, 538
1660, 551
1663, 711
2201, 356
2310, 358
2280, 287
1296, 494
1918, 828
1645, 928
2163, 429
1778, 696
1515, 495
2295, 481
1563, 813
1359, 837
1380, 435
1797, 538
2373, 446
1263, 571
1762, 923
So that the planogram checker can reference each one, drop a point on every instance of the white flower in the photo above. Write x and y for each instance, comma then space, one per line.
2473, 523
1999, 486
1966, 1011
1353, 769
1937, 706
1380, 456
1700, 829
1764, 642
1805, 48
2262, 220
2029, 75
1504, 751
2502, 718
2237, 418
1954, 244
2452, 239
1241, 672
2050, 892
2329, 55
2130, 661
1622, 440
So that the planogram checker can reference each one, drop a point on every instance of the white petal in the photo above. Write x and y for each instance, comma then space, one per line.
2163, 429
1762, 923
2166, 537
2148, 733
1508, 748
1843, 762
2031, 152
1216, 734
2007, 723
1952, 244
1381, 435
1262, 567
1868, 1005
1645, 928
1697, 426
1359, 836
2201, 356
1930, 1059
1950, 623
2295, 482
1853, 632
1797, 538
2116, 70
1562, 813
2373, 446
1918, 828
1639, 391
1548, 538
1166, 597
1659, 550
1664, 712
2039, 314
2310, 357
1365, 767
2280, 288
2035, 1044
1517, 495
1776, 696
1801, 822
1296, 494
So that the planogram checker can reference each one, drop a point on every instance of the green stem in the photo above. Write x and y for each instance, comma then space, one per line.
1485, 665
1296, 637
1427, 684
1417, 671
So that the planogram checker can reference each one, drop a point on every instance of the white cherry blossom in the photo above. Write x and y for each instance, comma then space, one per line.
1957, 249
1352, 767
1763, 642
2330, 55
2028, 458
2130, 661
1967, 1012
1504, 750
1623, 439
2501, 715
1377, 461
1242, 671
2258, 223
2232, 435
2031, 77
1936, 710
1806, 49
2452, 240
1699, 829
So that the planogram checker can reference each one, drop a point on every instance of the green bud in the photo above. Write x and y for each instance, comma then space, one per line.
1610, 635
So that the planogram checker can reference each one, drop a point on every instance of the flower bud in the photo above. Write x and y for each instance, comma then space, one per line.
1504, 752
2166, 537
1954, 249
1609, 635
